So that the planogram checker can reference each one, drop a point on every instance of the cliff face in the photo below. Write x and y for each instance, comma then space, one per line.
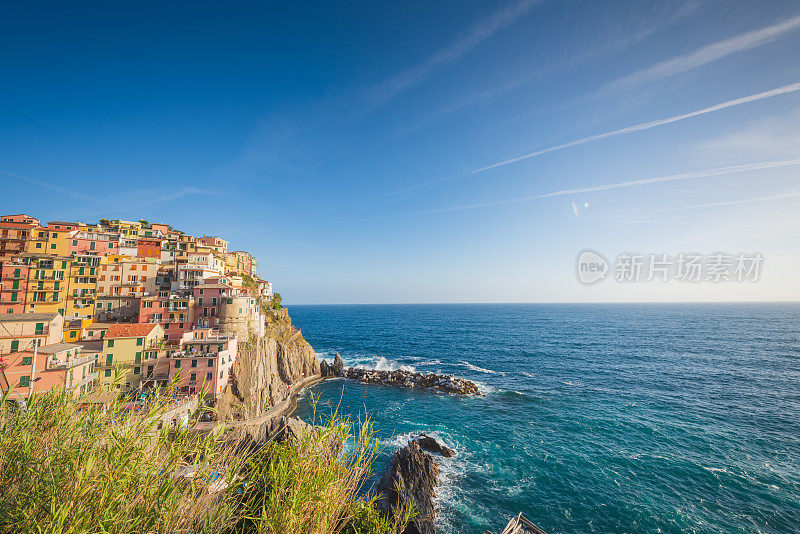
265, 368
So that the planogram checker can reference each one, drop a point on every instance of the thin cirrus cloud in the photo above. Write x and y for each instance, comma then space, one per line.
411, 77
698, 58
696, 175
786, 89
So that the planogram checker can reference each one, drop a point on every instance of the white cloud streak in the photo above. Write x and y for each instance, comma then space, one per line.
408, 78
58, 189
699, 57
791, 88
786, 89
696, 175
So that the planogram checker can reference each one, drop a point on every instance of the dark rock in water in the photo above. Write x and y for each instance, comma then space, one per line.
408, 379
326, 370
338, 365
415, 474
331, 370
431, 445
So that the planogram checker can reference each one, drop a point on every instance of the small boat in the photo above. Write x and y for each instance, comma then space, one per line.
519, 524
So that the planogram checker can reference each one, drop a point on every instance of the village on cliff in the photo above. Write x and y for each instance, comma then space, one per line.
118, 307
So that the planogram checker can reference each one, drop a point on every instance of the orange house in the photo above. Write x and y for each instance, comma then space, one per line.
149, 248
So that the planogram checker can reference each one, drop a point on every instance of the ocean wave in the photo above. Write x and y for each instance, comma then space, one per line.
529, 375
480, 369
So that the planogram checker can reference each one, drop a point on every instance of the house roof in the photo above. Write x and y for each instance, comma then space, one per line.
130, 330
57, 347
100, 326
213, 286
91, 346
27, 317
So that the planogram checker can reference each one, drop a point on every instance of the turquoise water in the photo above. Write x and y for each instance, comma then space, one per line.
597, 418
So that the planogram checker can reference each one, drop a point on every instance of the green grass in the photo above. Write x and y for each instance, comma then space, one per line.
70, 470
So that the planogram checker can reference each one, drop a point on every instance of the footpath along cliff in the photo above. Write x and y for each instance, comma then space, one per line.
265, 369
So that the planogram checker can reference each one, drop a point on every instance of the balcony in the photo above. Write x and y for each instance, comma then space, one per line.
88, 378
57, 364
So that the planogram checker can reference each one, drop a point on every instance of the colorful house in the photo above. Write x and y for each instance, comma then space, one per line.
172, 310
14, 237
13, 287
131, 349
21, 218
47, 282
82, 285
85, 241
48, 367
149, 248
19, 331
203, 362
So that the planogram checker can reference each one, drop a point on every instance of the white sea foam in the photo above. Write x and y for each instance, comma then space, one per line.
529, 375
480, 369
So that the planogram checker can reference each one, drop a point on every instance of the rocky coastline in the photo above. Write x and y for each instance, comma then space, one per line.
400, 378
411, 479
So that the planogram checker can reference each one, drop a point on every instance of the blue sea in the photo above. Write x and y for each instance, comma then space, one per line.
597, 418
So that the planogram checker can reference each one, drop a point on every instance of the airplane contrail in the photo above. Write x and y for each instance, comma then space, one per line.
791, 88
786, 89
631, 183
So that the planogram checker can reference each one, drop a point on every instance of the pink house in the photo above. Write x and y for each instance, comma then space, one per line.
173, 311
207, 301
99, 243
203, 361
55, 365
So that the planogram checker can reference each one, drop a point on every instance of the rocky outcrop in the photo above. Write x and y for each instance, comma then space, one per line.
332, 370
408, 379
411, 479
430, 444
264, 370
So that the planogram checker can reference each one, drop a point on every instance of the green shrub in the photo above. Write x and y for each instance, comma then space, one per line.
67, 469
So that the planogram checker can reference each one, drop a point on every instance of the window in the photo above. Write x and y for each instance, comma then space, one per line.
149, 370
53, 246
15, 345
138, 357
107, 373
38, 245
194, 363
74, 242
91, 245
137, 370
209, 376
221, 374
109, 360
110, 343
177, 364
210, 362
139, 341
193, 377
24, 381
27, 360
15, 284
39, 328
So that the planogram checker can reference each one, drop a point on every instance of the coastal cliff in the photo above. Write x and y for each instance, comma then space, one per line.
265, 368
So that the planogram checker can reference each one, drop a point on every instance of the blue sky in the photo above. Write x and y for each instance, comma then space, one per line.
419, 151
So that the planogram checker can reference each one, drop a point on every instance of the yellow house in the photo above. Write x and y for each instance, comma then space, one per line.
133, 349
59, 236
82, 285
73, 329
48, 282
187, 244
129, 228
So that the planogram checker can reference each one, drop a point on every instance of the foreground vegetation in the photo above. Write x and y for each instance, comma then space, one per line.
68, 468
